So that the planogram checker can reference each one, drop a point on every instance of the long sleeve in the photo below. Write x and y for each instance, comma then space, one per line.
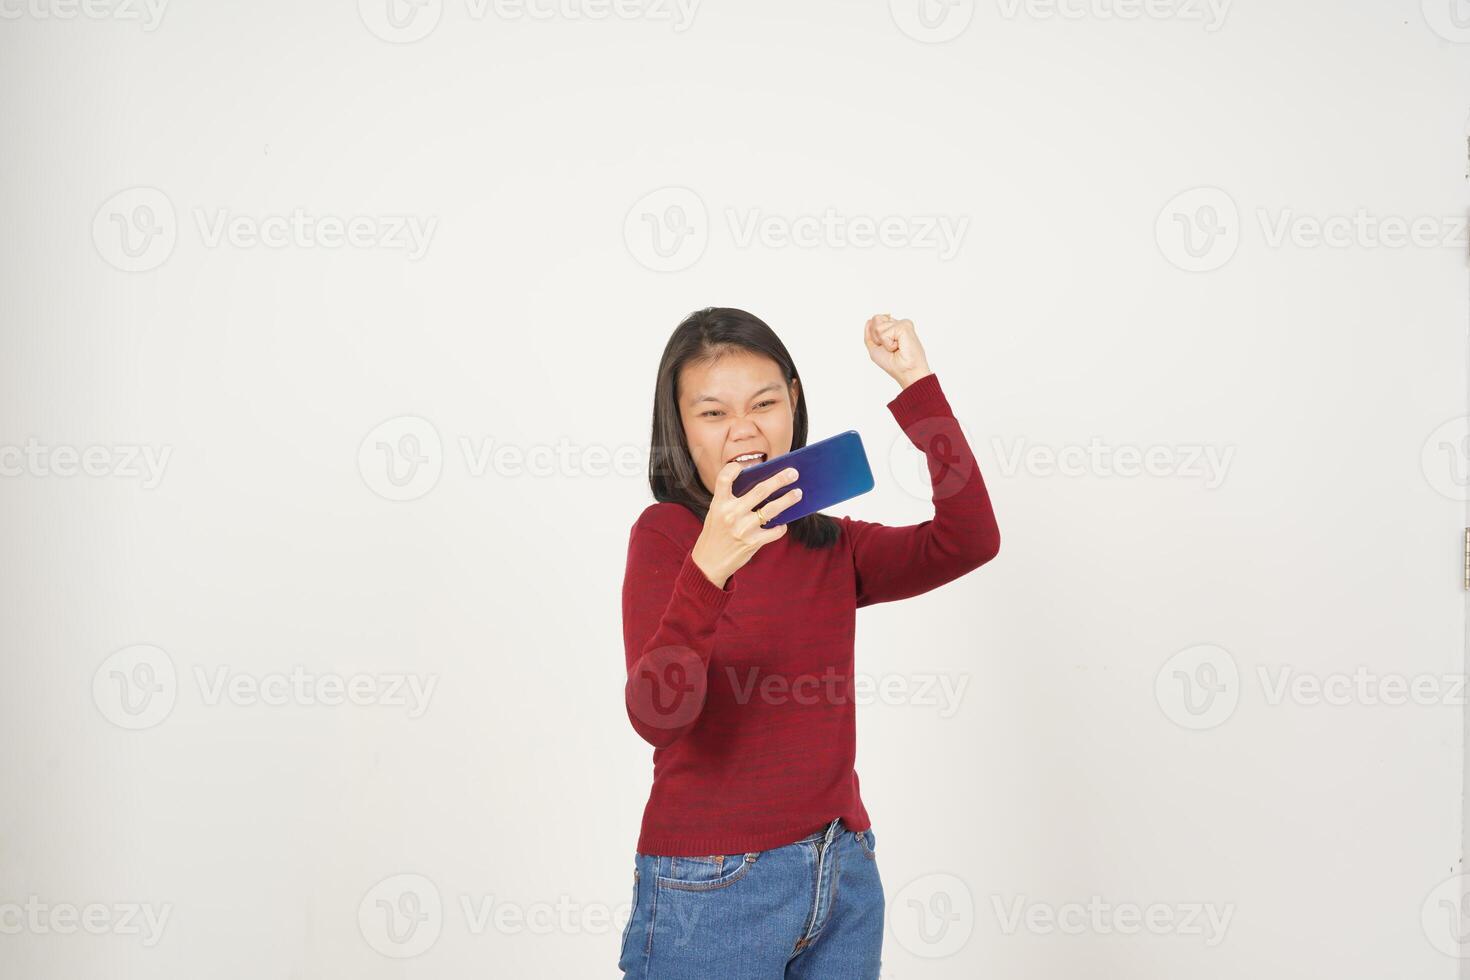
670, 611
898, 562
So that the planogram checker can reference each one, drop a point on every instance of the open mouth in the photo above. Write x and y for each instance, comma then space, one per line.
748, 459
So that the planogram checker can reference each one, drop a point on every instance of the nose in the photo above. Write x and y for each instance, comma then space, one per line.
742, 429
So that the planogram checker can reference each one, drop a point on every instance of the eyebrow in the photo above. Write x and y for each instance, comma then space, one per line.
773, 386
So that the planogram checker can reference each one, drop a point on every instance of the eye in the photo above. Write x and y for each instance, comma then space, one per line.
711, 412
768, 401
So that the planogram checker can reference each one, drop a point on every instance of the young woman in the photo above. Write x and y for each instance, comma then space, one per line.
756, 859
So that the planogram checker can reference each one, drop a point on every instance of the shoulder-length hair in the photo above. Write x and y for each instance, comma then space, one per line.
704, 335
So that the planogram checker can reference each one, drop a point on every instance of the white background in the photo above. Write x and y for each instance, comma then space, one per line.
1333, 376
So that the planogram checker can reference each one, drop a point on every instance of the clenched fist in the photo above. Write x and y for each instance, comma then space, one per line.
894, 346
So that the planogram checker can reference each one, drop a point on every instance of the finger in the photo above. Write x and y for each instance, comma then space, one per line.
756, 531
771, 484
767, 535
782, 502
725, 479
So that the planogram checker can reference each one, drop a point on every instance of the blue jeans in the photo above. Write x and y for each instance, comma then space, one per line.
812, 910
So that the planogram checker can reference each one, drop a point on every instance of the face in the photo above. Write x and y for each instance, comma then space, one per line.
737, 405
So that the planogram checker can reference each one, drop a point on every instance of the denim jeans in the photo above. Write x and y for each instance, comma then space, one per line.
812, 910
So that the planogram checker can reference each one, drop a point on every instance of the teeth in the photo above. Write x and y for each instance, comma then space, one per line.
748, 456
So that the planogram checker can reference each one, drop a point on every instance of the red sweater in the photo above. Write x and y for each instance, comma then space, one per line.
746, 692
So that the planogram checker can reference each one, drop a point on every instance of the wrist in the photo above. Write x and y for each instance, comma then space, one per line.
715, 576
909, 377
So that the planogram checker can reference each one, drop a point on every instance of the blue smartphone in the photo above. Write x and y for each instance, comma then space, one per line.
828, 472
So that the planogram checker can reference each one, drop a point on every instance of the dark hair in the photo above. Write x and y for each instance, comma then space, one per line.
703, 336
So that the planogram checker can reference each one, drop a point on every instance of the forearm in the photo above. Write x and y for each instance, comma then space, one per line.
671, 612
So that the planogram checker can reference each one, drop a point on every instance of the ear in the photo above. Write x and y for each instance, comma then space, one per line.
795, 391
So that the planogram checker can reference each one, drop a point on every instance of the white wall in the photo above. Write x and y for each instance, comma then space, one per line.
1326, 541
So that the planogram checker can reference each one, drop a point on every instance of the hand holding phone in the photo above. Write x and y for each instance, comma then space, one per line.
732, 531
